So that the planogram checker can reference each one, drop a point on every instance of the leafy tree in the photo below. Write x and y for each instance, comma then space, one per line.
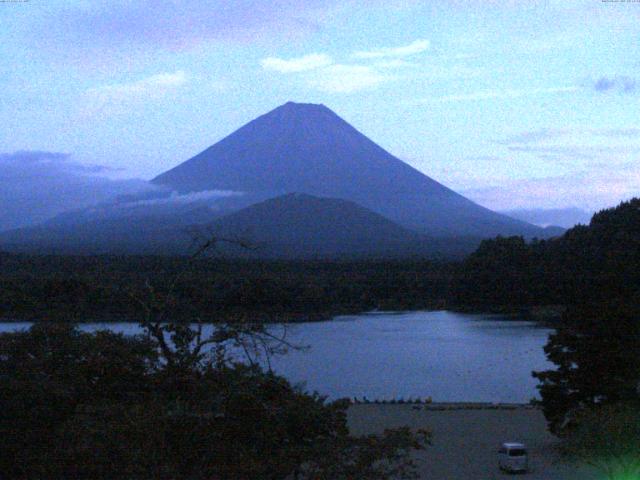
173, 403
50, 373
103, 405
275, 430
595, 349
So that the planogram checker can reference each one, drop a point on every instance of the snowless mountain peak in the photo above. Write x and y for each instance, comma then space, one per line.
307, 148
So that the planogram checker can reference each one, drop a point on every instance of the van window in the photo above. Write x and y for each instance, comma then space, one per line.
517, 452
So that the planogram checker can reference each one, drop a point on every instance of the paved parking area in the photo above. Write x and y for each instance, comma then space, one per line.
466, 439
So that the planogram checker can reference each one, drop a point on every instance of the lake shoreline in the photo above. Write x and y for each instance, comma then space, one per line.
546, 315
401, 356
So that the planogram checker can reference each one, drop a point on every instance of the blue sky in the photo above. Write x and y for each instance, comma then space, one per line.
514, 104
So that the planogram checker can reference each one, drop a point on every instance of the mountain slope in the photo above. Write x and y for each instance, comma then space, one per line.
303, 225
290, 226
147, 234
307, 148
300, 225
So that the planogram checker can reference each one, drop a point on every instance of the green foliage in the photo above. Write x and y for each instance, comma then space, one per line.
598, 261
172, 403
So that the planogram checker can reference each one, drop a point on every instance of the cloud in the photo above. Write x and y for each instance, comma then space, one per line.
154, 85
120, 97
321, 73
119, 33
592, 168
543, 134
413, 48
600, 187
535, 136
497, 94
175, 198
485, 158
36, 186
126, 31
585, 152
34, 164
620, 83
394, 63
576, 143
300, 64
451, 72
326, 76
631, 132
346, 78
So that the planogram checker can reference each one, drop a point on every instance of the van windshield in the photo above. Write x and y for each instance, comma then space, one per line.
517, 452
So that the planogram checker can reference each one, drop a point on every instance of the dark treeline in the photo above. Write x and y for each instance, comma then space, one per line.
591, 397
107, 288
593, 263
595, 383
598, 261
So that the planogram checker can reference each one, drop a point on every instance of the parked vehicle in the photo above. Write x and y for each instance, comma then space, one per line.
513, 458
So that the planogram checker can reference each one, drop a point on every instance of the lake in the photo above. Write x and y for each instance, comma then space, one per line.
383, 355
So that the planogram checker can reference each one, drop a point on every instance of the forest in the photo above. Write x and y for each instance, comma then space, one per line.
107, 288
505, 274
91, 405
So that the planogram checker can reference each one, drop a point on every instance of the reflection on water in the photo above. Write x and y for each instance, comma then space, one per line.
447, 356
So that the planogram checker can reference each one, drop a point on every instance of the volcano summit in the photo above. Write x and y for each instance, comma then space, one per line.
307, 148
244, 183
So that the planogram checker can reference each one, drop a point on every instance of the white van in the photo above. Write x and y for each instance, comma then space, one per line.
513, 458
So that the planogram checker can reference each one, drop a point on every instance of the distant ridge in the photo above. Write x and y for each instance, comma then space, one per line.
307, 148
544, 217
304, 226
290, 226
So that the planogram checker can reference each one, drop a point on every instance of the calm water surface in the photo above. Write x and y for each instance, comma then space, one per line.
447, 356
